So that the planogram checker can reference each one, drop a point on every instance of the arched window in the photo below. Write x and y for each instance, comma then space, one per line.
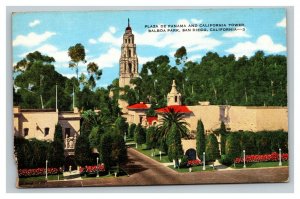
130, 67
129, 53
26, 131
47, 131
175, 98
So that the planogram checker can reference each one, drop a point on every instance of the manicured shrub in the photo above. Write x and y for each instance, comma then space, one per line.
200, 139
175, 150
131, 129
233, 148
139, 135
226, 160
211, 148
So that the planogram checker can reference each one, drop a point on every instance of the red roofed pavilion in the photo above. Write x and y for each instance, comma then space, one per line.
176, 108
140, 106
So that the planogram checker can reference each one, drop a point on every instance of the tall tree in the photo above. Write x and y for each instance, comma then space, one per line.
170, 118
200, 140
212, 148
233, 148
139, 135
94, 73
83, 151
77, 54
175, 150
223, 134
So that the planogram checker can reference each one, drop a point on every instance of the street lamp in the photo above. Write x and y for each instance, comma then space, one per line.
280, 162
203, 161
97, 167
46, 169
244, 157
159, 155
179, 162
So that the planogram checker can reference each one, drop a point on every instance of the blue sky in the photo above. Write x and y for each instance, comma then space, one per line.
100, 32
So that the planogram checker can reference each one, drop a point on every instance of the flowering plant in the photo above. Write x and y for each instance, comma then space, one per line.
194, 162
273, 157
37, 172
92, 169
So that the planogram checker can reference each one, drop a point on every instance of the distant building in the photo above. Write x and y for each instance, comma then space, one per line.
40, 124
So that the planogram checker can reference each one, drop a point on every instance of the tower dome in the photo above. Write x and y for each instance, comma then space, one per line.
174, 97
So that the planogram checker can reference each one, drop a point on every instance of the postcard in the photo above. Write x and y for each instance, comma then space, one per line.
150, 97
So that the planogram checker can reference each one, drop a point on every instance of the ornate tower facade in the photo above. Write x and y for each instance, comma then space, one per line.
174, 97
128, 60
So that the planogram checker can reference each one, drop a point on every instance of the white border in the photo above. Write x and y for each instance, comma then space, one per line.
192, 188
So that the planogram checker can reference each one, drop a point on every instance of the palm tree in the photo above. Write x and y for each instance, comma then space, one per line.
168, 119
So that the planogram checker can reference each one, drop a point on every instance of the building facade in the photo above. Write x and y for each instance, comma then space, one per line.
40, 124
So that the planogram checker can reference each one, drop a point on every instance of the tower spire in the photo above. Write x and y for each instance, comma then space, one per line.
128, 23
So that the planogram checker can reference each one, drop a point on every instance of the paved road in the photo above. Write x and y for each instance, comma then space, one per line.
145, 171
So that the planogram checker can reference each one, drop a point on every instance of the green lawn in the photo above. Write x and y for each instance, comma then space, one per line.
260, 164
40, 178
148, 152
194, 169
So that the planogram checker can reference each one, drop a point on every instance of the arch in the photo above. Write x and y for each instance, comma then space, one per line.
130, 67
129, 53
70, 161
191, 154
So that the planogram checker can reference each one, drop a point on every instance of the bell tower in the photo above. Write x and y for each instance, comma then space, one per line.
174, 97
128, 60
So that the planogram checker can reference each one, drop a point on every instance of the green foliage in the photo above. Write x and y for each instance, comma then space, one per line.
121, 126
56, 156
56, 151
175, 150
180, 55
169, 119
83, 151
95, 136
226, 160
38, 81
258, 80
200, 139
112, 149
233, 148
151, 137
248, 142
212, 148
223, 134
58, 134
139, 135
131, 129
105, 149
31, 153
77, 54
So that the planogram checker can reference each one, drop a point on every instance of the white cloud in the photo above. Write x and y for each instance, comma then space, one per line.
69, 75
109, 59
282, 23
92, 41
194, 58
34, 23
32, 39
143, 60
238, 33
193, 41
196, 20
60, 56
112, 29
248, 48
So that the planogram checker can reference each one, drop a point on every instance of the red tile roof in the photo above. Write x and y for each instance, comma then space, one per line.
140, 105
177, 108
151, 119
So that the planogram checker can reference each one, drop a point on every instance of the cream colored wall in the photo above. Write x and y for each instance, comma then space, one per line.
271, 118
208, 114
66, 121
36, 122
134, 116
